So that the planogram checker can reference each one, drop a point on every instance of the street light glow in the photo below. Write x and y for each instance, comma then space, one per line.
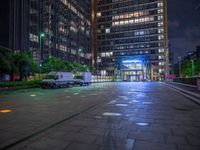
79, 50
42, 35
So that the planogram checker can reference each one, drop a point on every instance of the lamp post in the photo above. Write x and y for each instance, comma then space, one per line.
42, 35
179, 60
192, 67
98, 61
79, 51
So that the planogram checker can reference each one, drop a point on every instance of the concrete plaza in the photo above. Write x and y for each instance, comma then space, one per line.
102, 116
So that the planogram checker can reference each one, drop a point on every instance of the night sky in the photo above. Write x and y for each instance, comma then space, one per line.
184, 25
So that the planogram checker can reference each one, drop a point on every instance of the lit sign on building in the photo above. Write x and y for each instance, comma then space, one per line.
132, 61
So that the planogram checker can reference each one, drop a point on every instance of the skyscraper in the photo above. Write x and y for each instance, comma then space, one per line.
131, 38
60, 28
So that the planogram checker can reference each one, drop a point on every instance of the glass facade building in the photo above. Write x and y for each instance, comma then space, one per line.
131, 38
60, 28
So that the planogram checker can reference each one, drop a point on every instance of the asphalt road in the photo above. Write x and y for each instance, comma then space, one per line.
103, 116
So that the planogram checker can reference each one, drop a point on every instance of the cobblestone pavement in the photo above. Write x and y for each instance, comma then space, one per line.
107, 116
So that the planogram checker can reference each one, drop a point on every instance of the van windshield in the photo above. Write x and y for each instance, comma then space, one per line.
50, 77
78, 77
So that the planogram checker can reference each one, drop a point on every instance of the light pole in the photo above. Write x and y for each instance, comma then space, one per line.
98, 61
179, 60
42, 35
192, 67
79, 51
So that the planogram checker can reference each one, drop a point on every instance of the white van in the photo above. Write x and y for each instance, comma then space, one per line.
57, 79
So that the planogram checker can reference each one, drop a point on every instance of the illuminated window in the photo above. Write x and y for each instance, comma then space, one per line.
160, 4
161, 70
161, 50
107, 30
161, 57
160, 30
33, 38
160, 37
160, 17
98, 14
161, 63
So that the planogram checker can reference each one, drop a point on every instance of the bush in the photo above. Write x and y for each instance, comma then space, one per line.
20, 83
192, 81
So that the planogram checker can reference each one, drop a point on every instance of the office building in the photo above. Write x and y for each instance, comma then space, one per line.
131, 39
60, 28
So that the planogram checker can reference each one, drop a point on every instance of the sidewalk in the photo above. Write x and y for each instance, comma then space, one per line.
108, 116
189, 91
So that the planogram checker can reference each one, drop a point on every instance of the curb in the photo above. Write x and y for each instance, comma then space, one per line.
190, 95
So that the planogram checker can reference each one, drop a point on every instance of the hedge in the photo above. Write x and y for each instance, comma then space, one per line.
191, 81
20, 83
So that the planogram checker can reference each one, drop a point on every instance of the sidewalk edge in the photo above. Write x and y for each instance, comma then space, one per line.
190, 95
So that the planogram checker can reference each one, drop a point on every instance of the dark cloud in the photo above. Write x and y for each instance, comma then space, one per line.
173, 24
184, 25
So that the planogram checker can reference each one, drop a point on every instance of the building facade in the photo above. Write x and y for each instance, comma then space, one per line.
131, 38
60, 28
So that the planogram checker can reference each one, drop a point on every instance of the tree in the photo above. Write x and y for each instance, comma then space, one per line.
7, 64
53, 64
186, 68
25, 64
80, 68
68, 66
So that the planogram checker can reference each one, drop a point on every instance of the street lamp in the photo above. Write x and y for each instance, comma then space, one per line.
79, 51
179, 59
42, 35
40, 71
192, 67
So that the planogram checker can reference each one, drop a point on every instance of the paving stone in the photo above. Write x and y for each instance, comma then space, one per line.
80, 146
48, 144
147, 136
194, 140
184, 147
176, 140
141, 145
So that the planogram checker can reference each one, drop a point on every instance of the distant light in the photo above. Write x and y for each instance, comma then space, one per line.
5, 111
122, 105
111, 114
142, 124
33, 95
132, 61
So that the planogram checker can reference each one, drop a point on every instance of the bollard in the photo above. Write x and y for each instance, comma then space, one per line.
198, 84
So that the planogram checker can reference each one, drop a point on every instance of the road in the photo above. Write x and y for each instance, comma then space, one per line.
103, 116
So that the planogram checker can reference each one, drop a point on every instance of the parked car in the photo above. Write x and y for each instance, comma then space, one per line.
57, 79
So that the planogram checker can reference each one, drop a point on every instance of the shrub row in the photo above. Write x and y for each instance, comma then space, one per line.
20, 83
191, 81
